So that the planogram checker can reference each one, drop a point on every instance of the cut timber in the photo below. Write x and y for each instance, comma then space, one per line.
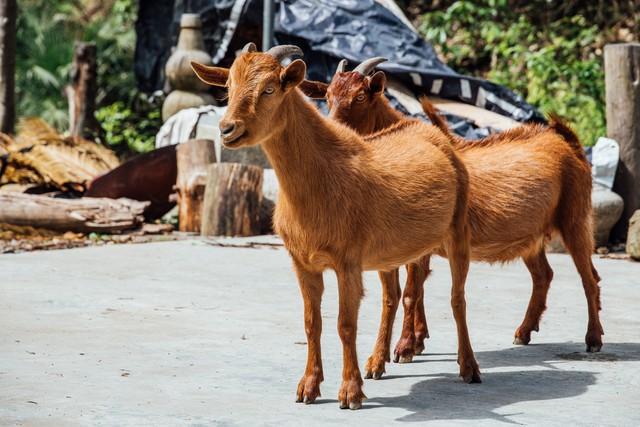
192, 158
81, 215
622, 87
81, 93
232, 200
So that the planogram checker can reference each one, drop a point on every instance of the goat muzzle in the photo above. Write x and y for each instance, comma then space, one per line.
231, 131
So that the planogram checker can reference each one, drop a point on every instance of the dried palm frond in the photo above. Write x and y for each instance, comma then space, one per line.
39, 154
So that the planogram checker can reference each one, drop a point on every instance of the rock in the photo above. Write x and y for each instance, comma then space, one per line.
633, 236
607, 209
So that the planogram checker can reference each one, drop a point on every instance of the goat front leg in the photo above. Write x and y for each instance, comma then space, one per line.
311, 287
350, 293
390, 299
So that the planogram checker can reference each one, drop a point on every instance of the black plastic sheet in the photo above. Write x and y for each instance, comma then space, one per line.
327, 31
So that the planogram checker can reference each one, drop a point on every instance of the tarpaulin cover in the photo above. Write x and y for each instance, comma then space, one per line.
327, 31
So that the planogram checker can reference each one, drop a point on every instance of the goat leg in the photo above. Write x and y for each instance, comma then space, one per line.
350, 293
311, 287
390, 299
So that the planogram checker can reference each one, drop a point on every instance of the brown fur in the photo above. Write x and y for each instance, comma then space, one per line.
347, 203
526, 183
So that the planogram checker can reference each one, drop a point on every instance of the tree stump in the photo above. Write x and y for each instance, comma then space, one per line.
8, 10
622, 74
81, 93
232, 200
193, 157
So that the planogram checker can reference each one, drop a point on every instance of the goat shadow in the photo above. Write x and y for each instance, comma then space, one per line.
444, 397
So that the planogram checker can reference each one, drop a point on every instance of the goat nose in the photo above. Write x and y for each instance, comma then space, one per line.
227, 128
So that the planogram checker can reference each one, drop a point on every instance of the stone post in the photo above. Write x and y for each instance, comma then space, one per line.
187, 90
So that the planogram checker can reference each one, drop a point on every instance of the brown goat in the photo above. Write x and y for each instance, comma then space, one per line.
525, 184
346, 202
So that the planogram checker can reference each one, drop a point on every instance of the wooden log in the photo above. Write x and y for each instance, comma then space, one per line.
8, 10
193, 157
81, 93
622, 83
80, 215
232, 200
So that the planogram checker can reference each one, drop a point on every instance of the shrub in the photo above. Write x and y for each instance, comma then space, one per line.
556, 67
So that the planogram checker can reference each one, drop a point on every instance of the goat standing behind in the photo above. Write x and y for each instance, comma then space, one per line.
525, 184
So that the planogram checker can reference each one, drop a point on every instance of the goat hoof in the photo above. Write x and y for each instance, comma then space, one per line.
520, 341
594, 348
355, 405
308, 389
374, 368
352, 405
470, 373
406, 359
419, 348
594, 342
405, 349
376, 375
350, 395
522, 337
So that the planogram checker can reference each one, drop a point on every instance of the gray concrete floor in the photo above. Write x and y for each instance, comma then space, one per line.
184, 333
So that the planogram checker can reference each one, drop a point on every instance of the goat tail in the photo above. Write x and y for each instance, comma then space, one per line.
431, 112
560, 126
437, 120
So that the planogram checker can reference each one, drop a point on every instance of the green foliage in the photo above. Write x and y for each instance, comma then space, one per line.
130, 128
557, 66
46, 34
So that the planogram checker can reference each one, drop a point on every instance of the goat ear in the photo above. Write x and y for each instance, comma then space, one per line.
214, 76
293, 75
377, 83
314, 89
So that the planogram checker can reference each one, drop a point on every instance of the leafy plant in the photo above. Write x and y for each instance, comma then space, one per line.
557, 66
130, 127
46, 34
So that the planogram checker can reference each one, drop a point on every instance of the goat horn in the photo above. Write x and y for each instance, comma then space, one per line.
249, 47
368, 65
284, 51
341, 66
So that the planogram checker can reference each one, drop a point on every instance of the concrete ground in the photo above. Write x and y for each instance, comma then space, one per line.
185, 333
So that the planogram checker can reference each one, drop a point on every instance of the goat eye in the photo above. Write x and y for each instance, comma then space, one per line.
360, 97
269, 90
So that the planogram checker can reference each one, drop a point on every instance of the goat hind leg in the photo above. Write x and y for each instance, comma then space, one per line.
541, 276
458, 254
405, 348
420, 328
579, 243
375, 366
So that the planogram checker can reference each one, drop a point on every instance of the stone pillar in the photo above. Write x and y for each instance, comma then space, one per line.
187, 90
